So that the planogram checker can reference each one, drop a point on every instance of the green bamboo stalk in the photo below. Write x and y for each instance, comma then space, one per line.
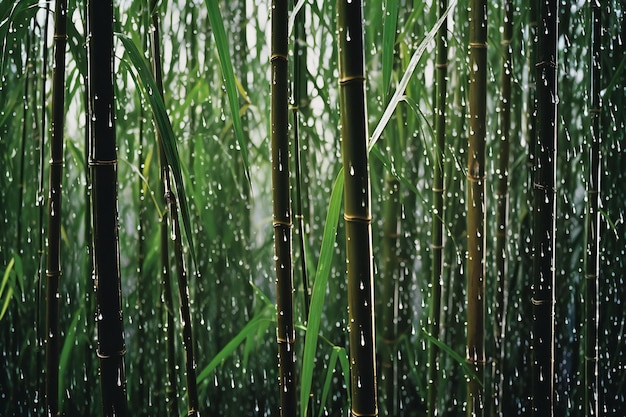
544, 214
441, 67
476, 205
592, 253
171, 399
103, 163
390, 295
502, 204
282, 207
357, 210
181, 272
53, 262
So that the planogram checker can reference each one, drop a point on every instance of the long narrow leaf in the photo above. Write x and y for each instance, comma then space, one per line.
319, 291
164, 126
221, 41
397, 95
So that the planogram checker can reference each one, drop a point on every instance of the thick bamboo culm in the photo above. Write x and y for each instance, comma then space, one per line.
502, 204
476, 206
544, 210
441, 68
357, 214
53, 264
592, 253
103, 163
282, 207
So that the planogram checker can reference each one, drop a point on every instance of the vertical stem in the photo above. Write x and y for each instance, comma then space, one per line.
357, 206
103, 163
476, 205
53, 263
171, 401
592, 253
502, 204
544, 219
282, 207
441, 67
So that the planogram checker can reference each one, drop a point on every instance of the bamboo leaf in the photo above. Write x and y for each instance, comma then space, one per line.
221, 41
319, 291
389, 37
164, 126
68, 344
399, 93
5, 281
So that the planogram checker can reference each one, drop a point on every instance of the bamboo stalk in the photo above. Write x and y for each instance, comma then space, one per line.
437, 243
282, 207
592, 253
103, 163
181, 272
502, 204
53, 262
544, 215
171, 398
476, 205
357, 211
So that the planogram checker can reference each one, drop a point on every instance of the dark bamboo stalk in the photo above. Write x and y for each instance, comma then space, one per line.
300, 102
502, 204
181, 271
544, 216
282, 207
592, 254
103, 163
357, 207
476, 205
434, 315
171, 400
53, 263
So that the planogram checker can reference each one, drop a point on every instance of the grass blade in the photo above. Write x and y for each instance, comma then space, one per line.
319, 291
221, 41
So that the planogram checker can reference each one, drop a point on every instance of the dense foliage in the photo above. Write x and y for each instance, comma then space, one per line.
216, 110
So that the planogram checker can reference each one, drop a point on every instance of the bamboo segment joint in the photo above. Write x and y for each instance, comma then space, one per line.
351, 78
538, 186
357, 219
279, 57
537, 302
478, 45
102, 162
474, 178
279, 223
60, 37
441, 65
56, 162
544, 64
119, 353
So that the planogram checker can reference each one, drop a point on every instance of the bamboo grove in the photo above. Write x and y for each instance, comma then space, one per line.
174, 176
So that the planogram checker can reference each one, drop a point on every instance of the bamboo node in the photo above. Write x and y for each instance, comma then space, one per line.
281, 57
441, 66
473, 178
478, 45
433, 246
102, 162
60, 37
357, 219
539, 186
279, 223
350, 78
548, 64
438, 190
119, 353
537, 302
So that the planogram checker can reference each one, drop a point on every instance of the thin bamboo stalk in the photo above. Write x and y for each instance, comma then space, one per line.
181, 271
300, 102
476, 205
171, 399
282, 207
502, 204
437, 242
53, 262
544, 214
357, 207
592, 253
103, 164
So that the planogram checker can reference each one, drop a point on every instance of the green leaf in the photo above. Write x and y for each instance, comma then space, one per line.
68, 344
389, 39
164, 127
319, 291
221, 41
